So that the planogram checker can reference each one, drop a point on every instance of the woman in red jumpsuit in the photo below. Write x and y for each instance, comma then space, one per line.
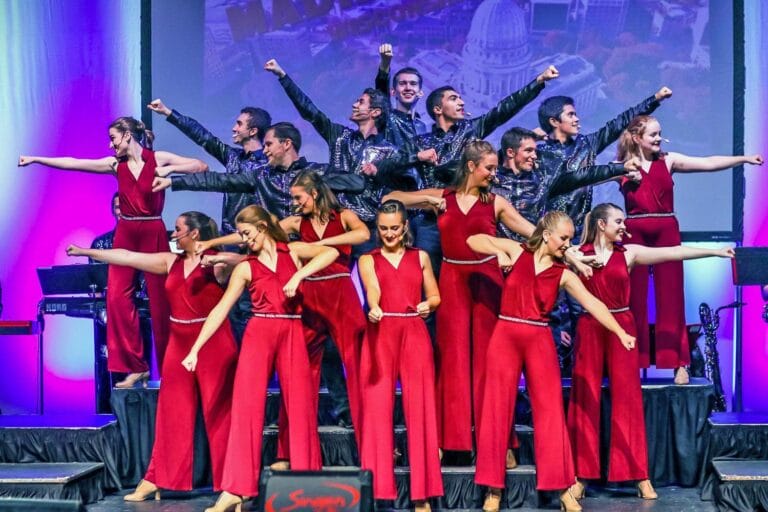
522, 338
273, 339
139, 228
193, 290
398, 345
470, 287
651, 221
331, 305
596, 348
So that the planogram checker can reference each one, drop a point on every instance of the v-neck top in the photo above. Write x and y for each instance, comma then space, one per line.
194, 296
136, 196
529, 296
654, 193
400, 287
609, 283
456, 226
266, 286
333, 228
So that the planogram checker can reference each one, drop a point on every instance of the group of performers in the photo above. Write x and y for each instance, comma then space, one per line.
496, 228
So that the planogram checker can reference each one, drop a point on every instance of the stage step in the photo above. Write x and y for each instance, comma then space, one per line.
739, 436
78, 481
741, 484
339, 449
70, 438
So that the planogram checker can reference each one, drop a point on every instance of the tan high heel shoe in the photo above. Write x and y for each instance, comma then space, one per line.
646, 491
492, 501
578, 490
143, 491
422, 506
568, 502
280, 465
132, 379
511, 461
227, 502
681, 376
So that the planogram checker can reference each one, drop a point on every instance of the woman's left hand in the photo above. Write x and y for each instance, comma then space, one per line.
422, 308
291, 286
190, 362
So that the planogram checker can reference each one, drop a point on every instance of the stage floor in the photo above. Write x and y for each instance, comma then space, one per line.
672, 499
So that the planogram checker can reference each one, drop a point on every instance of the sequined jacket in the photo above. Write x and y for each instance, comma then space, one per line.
401, 127
234, 159
581, 151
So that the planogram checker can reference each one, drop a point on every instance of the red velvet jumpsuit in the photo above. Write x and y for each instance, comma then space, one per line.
470, 289
596, 348
331, 307
651, 222
191, 298
399, 346
522, 338
273, 339
140, 228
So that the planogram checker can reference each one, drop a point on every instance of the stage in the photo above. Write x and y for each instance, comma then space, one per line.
698, 460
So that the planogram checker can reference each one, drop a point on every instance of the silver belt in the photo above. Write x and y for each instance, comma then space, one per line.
329, 276
649, 215
523, 321
154, 217
468, 262
614, 310
277, 315
401, 315
191, 321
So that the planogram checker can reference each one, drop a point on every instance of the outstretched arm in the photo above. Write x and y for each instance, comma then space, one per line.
241, 277
428, 198
608, 134
678, 162
596, 308
154, 263
194, 130
592, 175
506, 251
642, 255
382, 75
512, 104
168, 163
106, 165
216, 182
510, 217
230, 239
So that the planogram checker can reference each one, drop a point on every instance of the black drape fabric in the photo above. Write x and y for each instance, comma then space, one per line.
742, 496
24, 445
742, 441
83, 490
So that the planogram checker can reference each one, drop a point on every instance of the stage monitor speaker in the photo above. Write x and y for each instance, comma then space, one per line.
750, 266
338, 490
24, 504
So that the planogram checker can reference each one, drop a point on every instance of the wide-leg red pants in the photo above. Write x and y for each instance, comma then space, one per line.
331, 307
671, 337
398, 346
512, 347
125, 347
595, 347
471, 296
172, 454
270, 343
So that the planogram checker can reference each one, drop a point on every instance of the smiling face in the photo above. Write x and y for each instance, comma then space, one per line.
252, 235
407, 90
277, 151
613, 226
558, 240
184, 237
649, 140
302, 202
483, 172
240, 131
523, 158
391, 228
568, 122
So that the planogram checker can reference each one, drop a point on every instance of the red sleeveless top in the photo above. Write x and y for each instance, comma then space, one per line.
194, 296
529, 296
400, 287
333, 228
654, 194
609, 283
136, 196
266, 287
455, 226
